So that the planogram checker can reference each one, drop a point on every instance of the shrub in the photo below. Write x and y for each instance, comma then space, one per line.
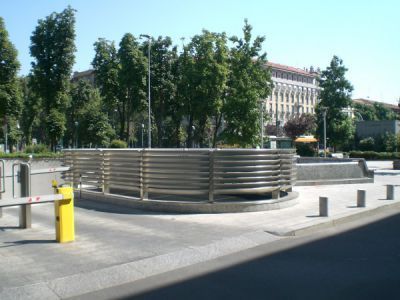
118, 144
367, 144
374, 155
304, 149
39, 148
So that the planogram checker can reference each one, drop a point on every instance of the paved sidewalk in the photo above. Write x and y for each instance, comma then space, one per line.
118, 245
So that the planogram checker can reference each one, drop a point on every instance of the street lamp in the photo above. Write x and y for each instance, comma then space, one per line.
262, 124
149, 132
142, 134
5, 131
193, 129
76, 134
324, 110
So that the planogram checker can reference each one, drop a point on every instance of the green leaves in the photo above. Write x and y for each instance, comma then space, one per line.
10, 93
248, 83
53, 47
121, 76
335, 95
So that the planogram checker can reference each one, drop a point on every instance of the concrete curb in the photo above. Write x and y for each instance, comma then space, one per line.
82, 283
334, 222
193, 207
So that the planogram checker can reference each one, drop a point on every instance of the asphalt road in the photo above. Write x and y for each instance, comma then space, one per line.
359, 260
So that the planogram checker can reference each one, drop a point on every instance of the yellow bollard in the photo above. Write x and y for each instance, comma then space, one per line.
64, 211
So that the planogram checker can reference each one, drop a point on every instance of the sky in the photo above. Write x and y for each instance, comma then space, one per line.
364, 34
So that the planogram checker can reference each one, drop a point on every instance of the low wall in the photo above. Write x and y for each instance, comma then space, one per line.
322, 171
187, 176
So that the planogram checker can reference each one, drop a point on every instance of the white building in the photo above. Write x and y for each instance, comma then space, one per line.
295, 92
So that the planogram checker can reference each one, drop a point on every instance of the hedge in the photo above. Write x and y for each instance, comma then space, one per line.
374, 155
26, 155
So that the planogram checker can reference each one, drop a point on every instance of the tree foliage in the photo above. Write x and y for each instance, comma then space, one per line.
164, 57
300, 125
249, 81
375, 112
205, 74
10, 94
31, 109
121, 75
88, 124
335, 96
53, 47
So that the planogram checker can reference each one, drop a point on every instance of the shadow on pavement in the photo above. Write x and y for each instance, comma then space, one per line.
116, 209
26, 242
363, 263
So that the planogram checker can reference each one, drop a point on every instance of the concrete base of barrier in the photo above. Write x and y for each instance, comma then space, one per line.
287, 200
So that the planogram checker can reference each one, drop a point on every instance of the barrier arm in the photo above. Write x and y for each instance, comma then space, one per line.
63, 207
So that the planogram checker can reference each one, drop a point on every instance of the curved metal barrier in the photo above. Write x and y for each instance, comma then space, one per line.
182, 171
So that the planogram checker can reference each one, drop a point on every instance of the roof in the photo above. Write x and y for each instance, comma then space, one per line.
306, 140
289, 69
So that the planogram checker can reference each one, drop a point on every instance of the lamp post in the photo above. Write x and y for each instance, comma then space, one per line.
5, 131
149, 132
142, 134
324, 110
193, 129
262, 124
76, 134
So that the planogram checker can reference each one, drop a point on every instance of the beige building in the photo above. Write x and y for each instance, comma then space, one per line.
295, 92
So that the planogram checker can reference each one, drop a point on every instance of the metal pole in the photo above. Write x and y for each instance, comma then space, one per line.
25, 214
276, 114
149, 136
324, 114
142, 134
262, 124
5, 131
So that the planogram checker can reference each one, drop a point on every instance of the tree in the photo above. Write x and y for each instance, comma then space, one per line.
94, 127
121, 75
87, 123
205, 67
382, 113
249, 81
300, 125
132, 80
163, 83
53, 47
375, 112
10, 95
335, 95
106, 67
367, 112
31, 109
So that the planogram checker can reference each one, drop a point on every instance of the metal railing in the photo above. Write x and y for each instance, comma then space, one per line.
190, 172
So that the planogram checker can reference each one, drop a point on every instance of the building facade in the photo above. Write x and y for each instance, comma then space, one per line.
87, 76
295, 92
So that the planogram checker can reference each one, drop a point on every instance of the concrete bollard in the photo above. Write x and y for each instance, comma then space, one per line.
361, 198
390, 192
323, 206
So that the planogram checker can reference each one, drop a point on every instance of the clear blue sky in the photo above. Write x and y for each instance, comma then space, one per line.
365, 34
